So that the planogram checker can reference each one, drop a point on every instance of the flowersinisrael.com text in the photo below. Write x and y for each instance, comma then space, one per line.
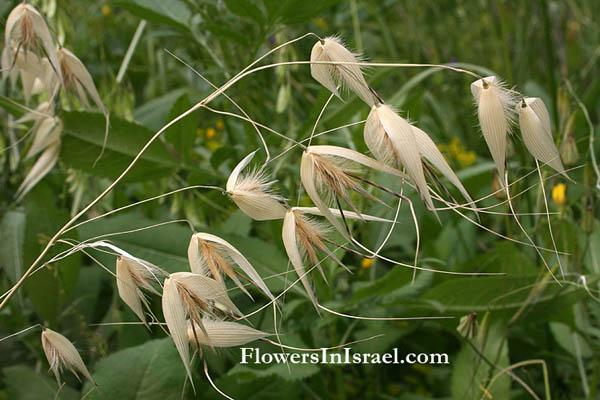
251, 355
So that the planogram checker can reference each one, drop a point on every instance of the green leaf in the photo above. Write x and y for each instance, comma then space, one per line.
153, 114
471, 372
152, 371
82, 144
23, 383
486, 293
245, 9
50, 287
170, 12
182, 135
12, 232
293, 373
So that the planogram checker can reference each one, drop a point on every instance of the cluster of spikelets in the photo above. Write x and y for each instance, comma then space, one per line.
197, 309
31, 54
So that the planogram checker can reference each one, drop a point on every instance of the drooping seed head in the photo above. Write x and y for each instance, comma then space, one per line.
222, 334
133, 276
392, 139
534, 122
77, 78
210, 255
62, 354
331, 76
252, 193
495, 111
26, 32
40, 169
333, 171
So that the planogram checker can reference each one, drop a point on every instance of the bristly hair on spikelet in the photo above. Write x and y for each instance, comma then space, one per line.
61, 353
495, 111
534, 121
252, 192
210, 255
333, 171
334, 75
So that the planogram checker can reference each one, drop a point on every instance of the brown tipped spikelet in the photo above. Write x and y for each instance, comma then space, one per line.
188, 295
333, 75
26, 32
252, 193
62, 354
333, 171
133, 276
209, 255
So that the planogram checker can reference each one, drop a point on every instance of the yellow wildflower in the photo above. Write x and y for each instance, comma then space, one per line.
211, 133
106, 10
466, 158
559, 194
367, 263
321, 23
219, 124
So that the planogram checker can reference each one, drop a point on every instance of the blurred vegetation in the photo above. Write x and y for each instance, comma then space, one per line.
544, 48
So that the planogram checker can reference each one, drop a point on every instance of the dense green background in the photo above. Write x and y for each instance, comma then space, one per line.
536, 46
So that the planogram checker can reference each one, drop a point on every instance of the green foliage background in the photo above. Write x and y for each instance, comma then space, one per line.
540, 47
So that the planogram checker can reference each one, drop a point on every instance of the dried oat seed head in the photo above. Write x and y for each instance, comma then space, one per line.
210, 255
252, 193
495, 108
534, 122
333, 75
133, 276
223, 334
61, 353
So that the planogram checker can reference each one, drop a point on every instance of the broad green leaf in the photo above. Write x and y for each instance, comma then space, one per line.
169, 12
82, 144
488, 293
293, 373
152, 371
50, 287
12, 232
182, 135
23, 383
153, 114
471, 372
245, 9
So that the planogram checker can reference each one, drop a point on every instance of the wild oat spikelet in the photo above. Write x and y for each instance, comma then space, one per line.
495, 106
392, 139
77, 78
209, 255
40, 168
61, 353
223, 334
331, 170
534, 122
333, 75
26, 32
133, 276
188, 295
252, 193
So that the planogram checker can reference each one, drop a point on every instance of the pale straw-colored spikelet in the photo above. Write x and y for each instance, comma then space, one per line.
40, 168
36, 74
534, 122
45, 133
333, 75
62, 354
25, 32
253, 194
223, 334
495, 111
331, 170
434, 156
133, 275
188, 295
392, 139
77, 78
210, 255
